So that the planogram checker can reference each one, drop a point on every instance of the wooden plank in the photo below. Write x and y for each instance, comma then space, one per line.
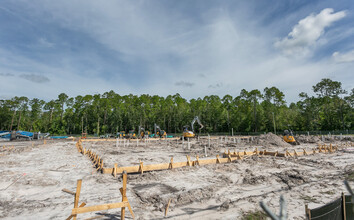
99, 207
107, 170
151, 167
207, 161
77, 195
68, 191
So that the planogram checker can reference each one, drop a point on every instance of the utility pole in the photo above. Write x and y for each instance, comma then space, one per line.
82, 124
275, 130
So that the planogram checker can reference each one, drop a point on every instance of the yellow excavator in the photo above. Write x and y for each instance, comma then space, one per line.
289, 137
158, 132
189, 133
142, 132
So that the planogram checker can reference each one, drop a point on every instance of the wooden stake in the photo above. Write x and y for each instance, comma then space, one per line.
197, 160
188, 161
141, 167
229, 157
344, 209
168, 205
171, 163
308, 212
77, 195
124, 194
305, 153
115, 170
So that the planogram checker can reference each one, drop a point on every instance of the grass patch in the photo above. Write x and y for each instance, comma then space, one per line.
308, 199
254, 215
350, 176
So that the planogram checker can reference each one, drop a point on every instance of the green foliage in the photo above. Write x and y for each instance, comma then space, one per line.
330, 109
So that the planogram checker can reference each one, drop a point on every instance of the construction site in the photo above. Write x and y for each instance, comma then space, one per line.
205, 177
177, 110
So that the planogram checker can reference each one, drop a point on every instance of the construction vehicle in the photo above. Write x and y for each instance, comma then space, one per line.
288, 137
142, 132
120, 134
158, 133
189, 133
131, 135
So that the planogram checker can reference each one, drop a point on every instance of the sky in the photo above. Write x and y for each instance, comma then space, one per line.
163, 47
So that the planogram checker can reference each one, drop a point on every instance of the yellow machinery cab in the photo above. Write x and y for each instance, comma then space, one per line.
288, 137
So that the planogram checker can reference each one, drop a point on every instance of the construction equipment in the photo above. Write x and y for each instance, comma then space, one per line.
142, 132
158, 132
289, 137
189, 133
120, 134
130, 135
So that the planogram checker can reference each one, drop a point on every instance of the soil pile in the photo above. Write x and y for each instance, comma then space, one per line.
271, 140
308, 139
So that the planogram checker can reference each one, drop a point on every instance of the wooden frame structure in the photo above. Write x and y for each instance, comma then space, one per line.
96, 160
82, 209
227, 157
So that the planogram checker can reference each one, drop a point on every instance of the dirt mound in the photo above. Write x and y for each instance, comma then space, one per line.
308, 139
270, 139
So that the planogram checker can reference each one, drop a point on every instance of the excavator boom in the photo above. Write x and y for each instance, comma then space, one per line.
196, 119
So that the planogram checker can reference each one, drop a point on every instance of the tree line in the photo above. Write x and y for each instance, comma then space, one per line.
331, 108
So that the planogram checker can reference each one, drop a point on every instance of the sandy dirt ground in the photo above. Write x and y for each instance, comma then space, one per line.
33, 175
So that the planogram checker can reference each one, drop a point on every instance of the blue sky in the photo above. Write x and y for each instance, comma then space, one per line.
194, 48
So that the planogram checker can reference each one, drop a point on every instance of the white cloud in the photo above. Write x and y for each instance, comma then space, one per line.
343, 57
306, 33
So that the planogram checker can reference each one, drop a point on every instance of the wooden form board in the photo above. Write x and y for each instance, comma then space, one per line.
131, 140
227, 157
165, 166
319, 149
96, 160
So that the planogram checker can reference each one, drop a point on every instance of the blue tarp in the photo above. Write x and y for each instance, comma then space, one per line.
25, 133
59, 137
